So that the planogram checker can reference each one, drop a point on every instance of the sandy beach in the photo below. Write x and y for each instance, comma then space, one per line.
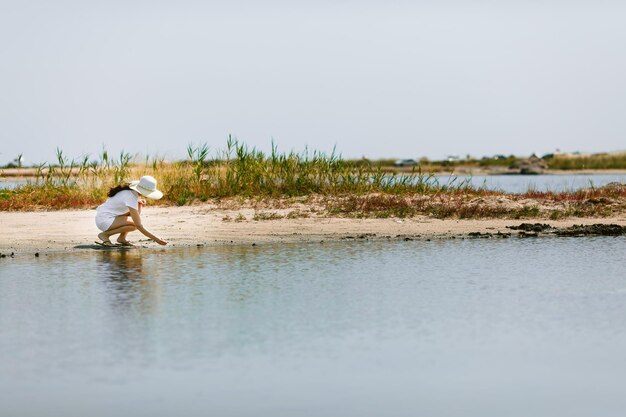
69, 230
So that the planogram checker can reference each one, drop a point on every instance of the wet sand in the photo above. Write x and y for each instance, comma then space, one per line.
48, 231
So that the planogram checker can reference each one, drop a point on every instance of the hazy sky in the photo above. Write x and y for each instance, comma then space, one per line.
376, 78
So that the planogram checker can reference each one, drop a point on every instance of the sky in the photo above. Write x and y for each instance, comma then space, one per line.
376, 79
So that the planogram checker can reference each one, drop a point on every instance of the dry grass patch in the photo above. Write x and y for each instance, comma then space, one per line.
454, 205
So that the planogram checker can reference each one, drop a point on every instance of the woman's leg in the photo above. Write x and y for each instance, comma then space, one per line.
122, 225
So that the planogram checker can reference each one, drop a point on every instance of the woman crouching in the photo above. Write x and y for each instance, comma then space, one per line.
121, 213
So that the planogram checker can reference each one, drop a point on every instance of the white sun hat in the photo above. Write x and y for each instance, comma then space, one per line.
147, 187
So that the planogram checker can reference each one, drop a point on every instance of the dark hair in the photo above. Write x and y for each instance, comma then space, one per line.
118, 188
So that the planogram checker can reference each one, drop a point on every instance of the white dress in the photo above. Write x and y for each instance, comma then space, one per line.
118, 205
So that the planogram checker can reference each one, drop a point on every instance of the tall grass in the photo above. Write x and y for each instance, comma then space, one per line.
69, 183
353, 188
236, 170
600, 161
239, 170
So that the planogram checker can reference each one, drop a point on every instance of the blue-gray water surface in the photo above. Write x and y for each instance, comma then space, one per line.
9, 185
523, 183
533, 327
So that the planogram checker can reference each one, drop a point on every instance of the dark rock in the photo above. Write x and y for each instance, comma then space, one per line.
479, 235
531, 227
531, 170
530, 166
593, 230
36, 254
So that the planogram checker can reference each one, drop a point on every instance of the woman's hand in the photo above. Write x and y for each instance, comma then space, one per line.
160, 241
142, 202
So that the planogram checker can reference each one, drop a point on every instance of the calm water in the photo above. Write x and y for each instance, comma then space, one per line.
447, 328
11, 184
524, 183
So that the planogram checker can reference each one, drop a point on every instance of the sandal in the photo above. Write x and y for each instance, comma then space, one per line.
125, 243
105, 243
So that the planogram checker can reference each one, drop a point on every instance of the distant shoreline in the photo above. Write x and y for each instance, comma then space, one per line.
25, 174
462, 171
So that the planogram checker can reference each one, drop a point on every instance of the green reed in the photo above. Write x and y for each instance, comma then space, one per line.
237, 170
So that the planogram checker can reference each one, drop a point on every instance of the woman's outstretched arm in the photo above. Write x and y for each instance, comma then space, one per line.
134, 214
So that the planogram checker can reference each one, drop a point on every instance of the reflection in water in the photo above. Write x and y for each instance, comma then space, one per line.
128, 283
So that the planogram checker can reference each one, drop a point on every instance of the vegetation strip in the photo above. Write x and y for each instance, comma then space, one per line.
242, 176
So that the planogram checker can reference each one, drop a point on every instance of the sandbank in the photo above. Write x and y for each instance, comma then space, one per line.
69, 230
